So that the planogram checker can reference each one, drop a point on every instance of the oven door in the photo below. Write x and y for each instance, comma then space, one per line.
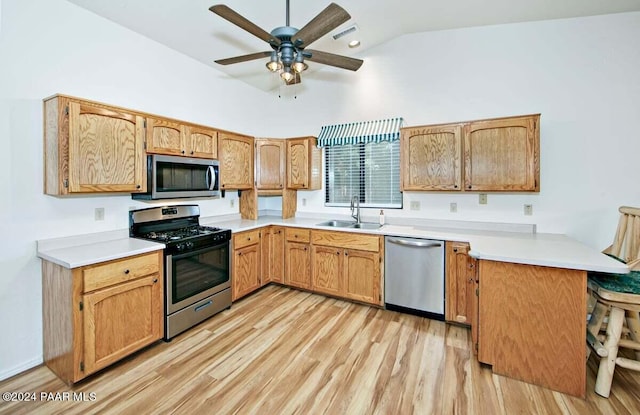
194, 275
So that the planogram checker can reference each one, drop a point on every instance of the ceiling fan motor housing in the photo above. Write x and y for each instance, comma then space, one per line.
287, 49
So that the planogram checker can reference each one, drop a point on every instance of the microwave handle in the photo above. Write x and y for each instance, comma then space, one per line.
211, 178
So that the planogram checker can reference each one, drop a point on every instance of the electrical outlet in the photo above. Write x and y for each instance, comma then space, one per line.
528, 210
482, 198
232, 202
99, 214
304, 201
453, 207
414, 205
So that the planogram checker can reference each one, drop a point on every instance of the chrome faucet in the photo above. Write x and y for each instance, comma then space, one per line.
355, 204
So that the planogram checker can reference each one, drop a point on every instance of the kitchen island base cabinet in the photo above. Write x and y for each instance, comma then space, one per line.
460, 284
532, 324
95, 315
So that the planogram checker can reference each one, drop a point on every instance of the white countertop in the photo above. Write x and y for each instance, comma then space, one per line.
543, 249
553, 250
95, 252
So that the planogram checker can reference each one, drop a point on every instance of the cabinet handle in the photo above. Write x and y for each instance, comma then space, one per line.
455, 249
239, 253
155, 280
469, 187
222, 186
191, 151
305, 248
337, 252
248, 239
126, 271
137, 186
345, 254
455, 186
182, 151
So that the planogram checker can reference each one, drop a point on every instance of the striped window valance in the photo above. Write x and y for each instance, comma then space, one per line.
360, 132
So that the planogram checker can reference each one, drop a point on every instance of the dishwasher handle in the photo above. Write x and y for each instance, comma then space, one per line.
414, 243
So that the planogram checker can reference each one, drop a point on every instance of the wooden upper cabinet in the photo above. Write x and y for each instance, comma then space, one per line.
201, 142
431, 157
174, 138
503, 154
270, 164
235, 153
304, 164
92, 148
494, 155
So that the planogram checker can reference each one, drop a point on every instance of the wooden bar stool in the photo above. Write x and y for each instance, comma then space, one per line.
617, 300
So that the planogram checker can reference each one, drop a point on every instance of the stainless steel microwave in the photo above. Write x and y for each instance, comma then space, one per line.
170, 177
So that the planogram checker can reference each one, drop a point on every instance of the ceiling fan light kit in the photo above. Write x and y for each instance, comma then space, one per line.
288, 43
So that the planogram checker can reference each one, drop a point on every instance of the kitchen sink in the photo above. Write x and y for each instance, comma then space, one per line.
365, 225
349, 224
337, 223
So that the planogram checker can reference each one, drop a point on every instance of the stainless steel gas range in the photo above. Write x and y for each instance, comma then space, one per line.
197, 272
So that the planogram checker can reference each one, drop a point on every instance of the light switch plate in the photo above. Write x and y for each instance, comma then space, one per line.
453, 207
414, 205
528, 210
482, 198
99, 214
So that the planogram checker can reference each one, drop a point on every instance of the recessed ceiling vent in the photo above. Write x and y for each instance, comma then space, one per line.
345, 32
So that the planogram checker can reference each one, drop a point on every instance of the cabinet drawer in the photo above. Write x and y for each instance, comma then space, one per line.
242, 239
346, 240
297, 235
121, 270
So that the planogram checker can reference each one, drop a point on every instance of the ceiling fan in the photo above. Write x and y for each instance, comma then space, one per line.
290, 44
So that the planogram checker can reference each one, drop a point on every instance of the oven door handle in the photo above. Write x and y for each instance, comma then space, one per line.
211, 178
187, 254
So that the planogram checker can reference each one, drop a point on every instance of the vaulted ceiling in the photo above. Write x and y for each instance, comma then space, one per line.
190, 28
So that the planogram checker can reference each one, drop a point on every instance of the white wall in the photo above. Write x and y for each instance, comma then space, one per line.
49, 47
580, 74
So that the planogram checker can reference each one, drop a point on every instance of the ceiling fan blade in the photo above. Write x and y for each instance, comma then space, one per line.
226, 13
327, 20
243, 58
331, 59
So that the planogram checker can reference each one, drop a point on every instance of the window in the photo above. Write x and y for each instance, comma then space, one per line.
371, 171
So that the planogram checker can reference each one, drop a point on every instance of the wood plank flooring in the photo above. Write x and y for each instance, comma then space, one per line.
282, 351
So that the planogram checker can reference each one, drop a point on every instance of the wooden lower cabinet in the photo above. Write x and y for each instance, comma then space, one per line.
297, 258
327, 266
460, 283
272, 255
362, 276
343, 271
95, 315
246, 273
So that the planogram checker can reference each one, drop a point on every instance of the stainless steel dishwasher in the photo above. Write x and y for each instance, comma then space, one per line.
414, 276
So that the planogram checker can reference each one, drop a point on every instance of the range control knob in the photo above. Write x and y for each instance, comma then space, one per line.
189, 245
180, 247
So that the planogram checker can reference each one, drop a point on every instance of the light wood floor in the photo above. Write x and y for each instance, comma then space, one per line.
282, 351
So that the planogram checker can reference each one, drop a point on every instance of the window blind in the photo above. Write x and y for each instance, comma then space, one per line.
370, 171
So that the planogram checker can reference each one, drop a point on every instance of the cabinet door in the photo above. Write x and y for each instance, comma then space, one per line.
121, 319
298, 163
431, 157
276, 257
270, 164
503, 154
326, 270
460, 283
165, 137
246, 271
201, 142
235, 153
266, 242
298, 260
362, 276
106, 150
